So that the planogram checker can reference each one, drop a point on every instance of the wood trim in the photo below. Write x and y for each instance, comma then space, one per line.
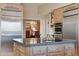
70, 15
65, 6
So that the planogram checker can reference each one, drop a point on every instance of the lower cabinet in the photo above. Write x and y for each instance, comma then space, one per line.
56, 50
46, 50
19, 50
70, 50
62, 50
39, 51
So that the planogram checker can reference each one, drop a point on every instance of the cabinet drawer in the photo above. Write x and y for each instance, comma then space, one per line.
39, 50
54, 48
56, 54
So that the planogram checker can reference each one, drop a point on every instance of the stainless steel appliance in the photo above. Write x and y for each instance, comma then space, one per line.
58, 32
70, 24
58, 28
69, 28
9, 31
11, 28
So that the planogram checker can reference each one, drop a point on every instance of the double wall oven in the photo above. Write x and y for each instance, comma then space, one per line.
58, 32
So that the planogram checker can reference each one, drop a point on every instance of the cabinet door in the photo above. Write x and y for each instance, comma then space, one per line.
56, 50
18, 49
14, 49
70, 49
39, 50
58, 15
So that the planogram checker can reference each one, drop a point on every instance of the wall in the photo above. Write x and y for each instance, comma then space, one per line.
30, 11
42, 26
48, 28
45, 26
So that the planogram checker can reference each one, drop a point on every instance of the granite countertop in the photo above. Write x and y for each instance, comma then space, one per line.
19, 40
64, 41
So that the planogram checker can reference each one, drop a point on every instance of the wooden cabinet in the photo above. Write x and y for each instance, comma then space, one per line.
14, 49
13, 12
56, 50
46, 50
12, 5
39, 50
58, 15
19, 49
70, 7
62, 50
70, 50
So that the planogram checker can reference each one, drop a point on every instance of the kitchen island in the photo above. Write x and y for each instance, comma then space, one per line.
62, 48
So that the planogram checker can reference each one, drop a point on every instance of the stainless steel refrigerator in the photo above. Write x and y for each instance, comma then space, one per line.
10, 28
70, 23
70, 28
9, 31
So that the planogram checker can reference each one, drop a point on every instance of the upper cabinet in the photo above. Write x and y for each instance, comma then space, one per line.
70, 7
11, 12
58, 15
12, 5
70, 11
